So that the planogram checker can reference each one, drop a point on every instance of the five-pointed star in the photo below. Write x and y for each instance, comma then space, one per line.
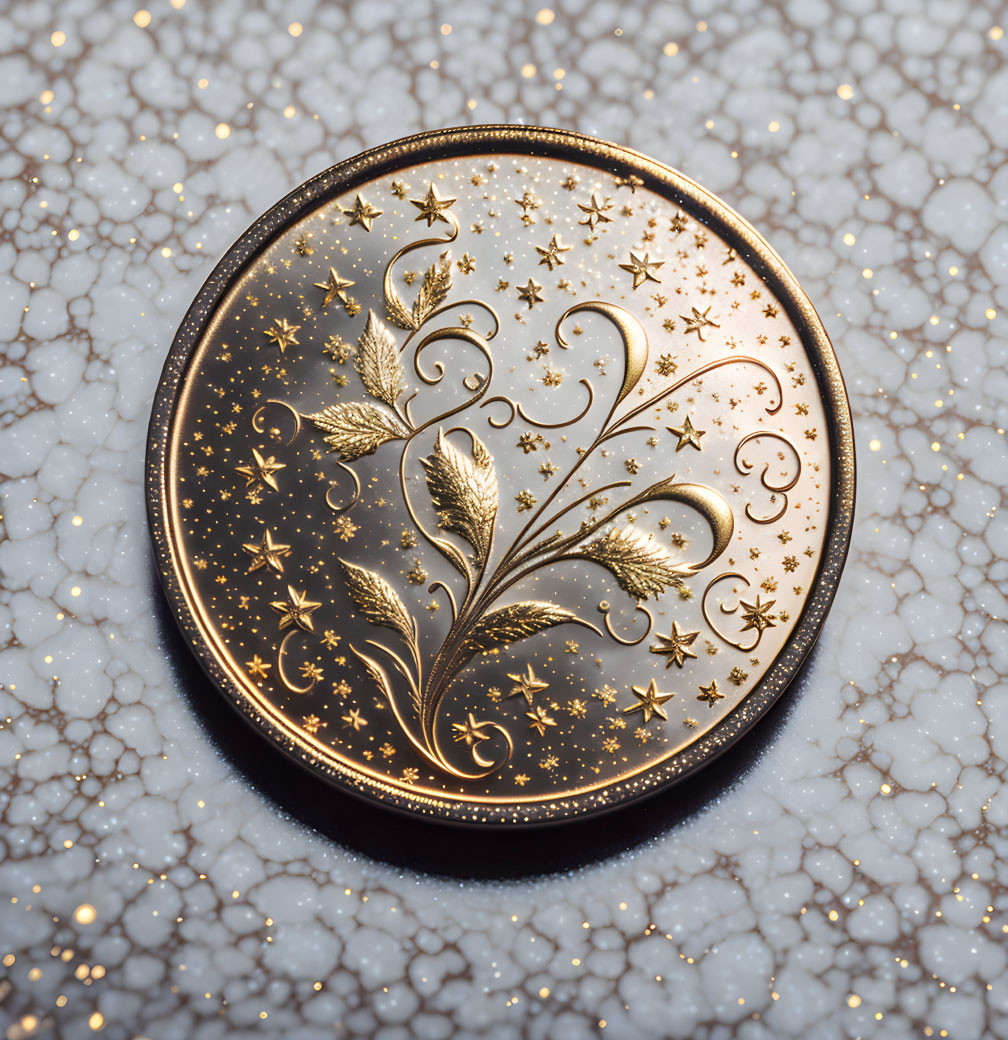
335, 288
650, 701
687, 434
432, 205
642, 269
362, 213
526, 684
676, 645
539, 720
530, 293
697, 322
551, 254
710, 694
596, 212
282, 334
471, 731
354, 718
295, 611
261, 471
267, 554
757, 615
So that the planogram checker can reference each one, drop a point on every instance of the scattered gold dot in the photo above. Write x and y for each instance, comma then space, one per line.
178, 4
990, 313
446, 29
853, 1000
177, 187
833, 915
875, 444
528, 70
935, 446
46, 97
471, 104
849, 239
544, 992
58, 38
96, 1021
73, 234
845, 91
29, 1023
10, 958
85, 914
670, 49
774, 126
559, 73
222, 130
886, 789
203, 84
934, 319
289, 112
295, 29
995, 32
953, 271
75, 591
545, 16
142, 18
701, 26
893, 335
867, 273
262, 1014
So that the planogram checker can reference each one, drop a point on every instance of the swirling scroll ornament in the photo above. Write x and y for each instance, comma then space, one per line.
744, 466
756, 615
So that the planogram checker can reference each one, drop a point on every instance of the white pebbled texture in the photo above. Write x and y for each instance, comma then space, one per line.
852, 879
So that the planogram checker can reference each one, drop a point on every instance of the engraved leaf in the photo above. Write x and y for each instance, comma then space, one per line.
639, 564
356, 428
463, 488
513, 622
377, 600
378, 361
398, 312
436, 283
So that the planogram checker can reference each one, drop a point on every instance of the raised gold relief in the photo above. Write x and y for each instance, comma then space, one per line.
481, 537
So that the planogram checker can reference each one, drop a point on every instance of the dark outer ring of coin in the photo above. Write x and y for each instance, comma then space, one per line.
696, 201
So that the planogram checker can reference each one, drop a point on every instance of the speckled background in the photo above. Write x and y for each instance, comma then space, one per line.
841, 874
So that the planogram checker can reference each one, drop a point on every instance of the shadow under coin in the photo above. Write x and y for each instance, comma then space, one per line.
454, 850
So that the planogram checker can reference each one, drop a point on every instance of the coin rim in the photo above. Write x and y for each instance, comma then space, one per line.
618, 161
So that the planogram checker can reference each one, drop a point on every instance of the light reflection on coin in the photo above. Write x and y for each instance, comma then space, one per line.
501, 475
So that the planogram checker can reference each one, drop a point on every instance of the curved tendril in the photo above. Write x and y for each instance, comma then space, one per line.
745, 468
450, 307
519, 411
446, 589
630, 642
727, 611
258, 417
489, 765
474, 340
387, 286
354, 498
280, 666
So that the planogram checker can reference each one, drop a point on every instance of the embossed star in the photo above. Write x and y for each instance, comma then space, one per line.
757, 615
471, 731
260, 471
530, 293
432, 206
550, 255
710, 694
362, 213
267, 554
697, 322
596, 212
257, 667
354, 719
335, 288
282, 334
687, 434
527, 685
650, 701
676, 645
296, 610
642, 269
539, 720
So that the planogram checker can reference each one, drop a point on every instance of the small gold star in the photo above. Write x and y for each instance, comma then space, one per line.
757, 615
267, 554
295, 611
551, 254
530, 293
596, 212
261, 471
312, 724
431, 206
651, 701
527, 684
258, 667
676, 645
282, 334
354, 719
335, 288
539, 720
710, 694
642, 269
697, 322
471, 731
362, 213
687, 434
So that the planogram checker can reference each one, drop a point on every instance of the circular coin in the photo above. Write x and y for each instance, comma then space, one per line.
501, 474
